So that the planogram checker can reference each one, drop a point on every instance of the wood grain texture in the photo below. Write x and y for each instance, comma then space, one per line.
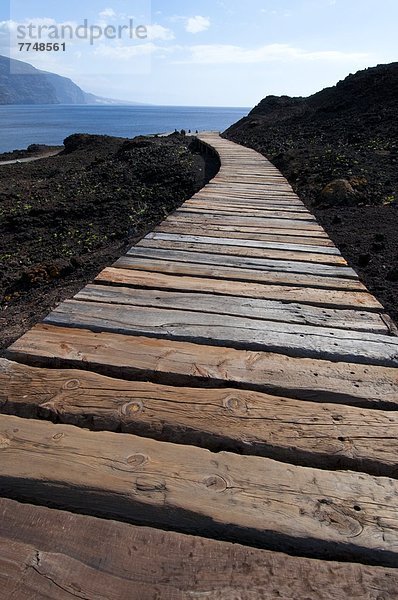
232, 273
328, 514
295, 431
236, 204
64, 561
249, 212
232, 332
252, 308
255, 200
243, 251
247, 233
204, 224
259, 222
263, 264
183, 363
317, 297
301, 250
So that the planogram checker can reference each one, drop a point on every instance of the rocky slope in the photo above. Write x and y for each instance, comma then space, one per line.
339, 149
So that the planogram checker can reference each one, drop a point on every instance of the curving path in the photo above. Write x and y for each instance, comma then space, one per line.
19, 161
240, 384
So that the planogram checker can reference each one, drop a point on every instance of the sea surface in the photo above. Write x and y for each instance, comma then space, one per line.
51, 124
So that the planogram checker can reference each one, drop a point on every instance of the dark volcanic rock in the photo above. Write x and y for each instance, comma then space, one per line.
338, 193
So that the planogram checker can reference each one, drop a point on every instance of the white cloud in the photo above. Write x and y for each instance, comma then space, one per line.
107, 13
158, 32
223, 54
197, 24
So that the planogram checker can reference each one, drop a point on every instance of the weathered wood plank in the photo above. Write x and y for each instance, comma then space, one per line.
263, 264
183, 363
305, 511
263, 180
233, 206
314, 296
245, 206
247, 233
301, 249
248, 213
296, 225
303, 433
234, 273
259, 200
234, 249
244, 186
353, 320
249, 191
264, 230
64, 560
233, 332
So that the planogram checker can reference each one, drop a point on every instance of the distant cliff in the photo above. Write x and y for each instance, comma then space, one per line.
21, 83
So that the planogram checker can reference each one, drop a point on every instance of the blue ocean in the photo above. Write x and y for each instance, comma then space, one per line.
51, 124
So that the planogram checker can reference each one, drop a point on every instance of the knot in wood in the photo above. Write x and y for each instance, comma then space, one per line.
58, 436
5, 442
216, 483
338, 518
149, 485
132, 408
236, 405
137, 460
72, 384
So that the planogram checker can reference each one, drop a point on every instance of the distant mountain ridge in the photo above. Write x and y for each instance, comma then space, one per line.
23, 84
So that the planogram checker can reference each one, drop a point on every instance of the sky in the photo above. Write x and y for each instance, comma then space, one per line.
209, 52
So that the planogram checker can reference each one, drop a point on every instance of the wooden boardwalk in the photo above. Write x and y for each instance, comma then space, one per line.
215, 416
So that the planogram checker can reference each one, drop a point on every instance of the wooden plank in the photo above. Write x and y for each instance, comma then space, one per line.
183, 363
233, 332
303, 433
263, 264
248, 208
300, 249
233, 273
236, 206
263, 205
246, 233
260, 199
250, 191
248, 213
352, 320
64, 560
314, 296
254, 177
245, 186
258, 501
264, 228
294, 224
258, 186
234, 249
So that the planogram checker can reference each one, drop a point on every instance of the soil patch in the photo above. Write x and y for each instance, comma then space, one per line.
65, 218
